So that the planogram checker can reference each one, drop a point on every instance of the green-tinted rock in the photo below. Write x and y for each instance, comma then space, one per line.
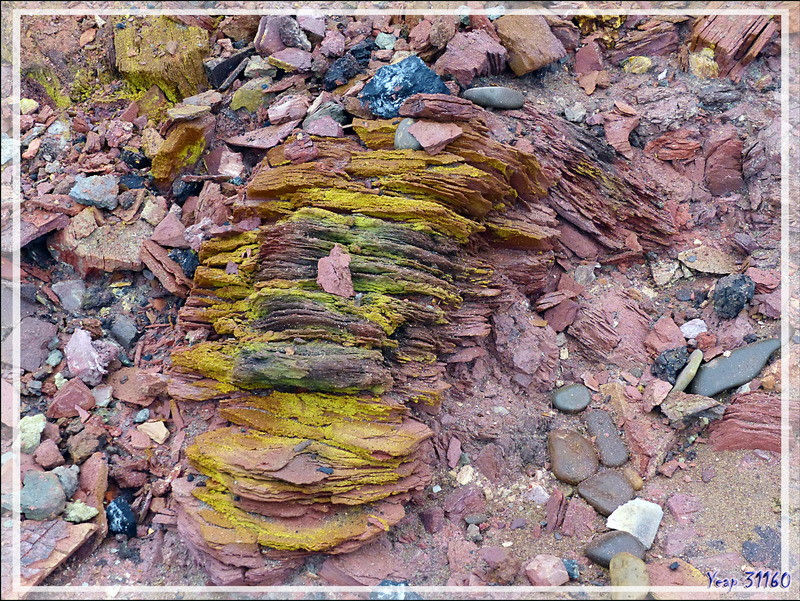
182, 149
30, 432
572, 398
251, 94
385, 41
164, 53
78, 512
688, 372
28, 106
497, 97
743, 365
41, 497
628, 570
153, 103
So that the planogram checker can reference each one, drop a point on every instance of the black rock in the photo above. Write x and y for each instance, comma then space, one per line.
341, 71
218, 70
120, 517
362, 51
392, 84
732, 293
182, 190
132, 182
669, 364
134, 159
187, 259
98, 296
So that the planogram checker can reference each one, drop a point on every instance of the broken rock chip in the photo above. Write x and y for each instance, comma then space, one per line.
470, 55
83, 359
157, 431
751, 421
679, 405
169, 273
98, 190
72, 395
170, 232
137, 386
44, 546
529, 42
708, 260
333, 273
264, 138
434, 136
638, 517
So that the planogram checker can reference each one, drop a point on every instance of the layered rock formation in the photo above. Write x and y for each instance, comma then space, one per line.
320, 383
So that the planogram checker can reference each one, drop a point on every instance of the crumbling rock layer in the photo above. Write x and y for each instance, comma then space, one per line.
320, 387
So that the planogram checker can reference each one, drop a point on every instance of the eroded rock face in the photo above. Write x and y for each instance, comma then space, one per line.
317, 383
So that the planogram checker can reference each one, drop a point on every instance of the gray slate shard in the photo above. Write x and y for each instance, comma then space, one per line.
743, 365
393, 84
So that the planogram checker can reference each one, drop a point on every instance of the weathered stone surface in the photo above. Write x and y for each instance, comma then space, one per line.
170, 232
731, 294
30, 432
83, 359
268, 37
609, 444
433, 519
333, 273
740, 367
70, 293
470, 55
588, 59
187, 112
529, 42
572, 457
723, 153
290, 109
41, 497
403, 139
73, 394
580, 520
546, 570
572, 399
265, 137
603, 548
251, 95
688, 372
606, 490
637, 517
751, 421
291, 60
142, 58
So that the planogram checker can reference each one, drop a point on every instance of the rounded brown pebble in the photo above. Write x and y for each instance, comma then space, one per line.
572, 457
606, 491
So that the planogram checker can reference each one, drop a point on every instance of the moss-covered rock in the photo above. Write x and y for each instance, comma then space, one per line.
182, 149
164, 53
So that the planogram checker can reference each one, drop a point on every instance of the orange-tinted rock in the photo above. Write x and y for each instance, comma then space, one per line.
529, 42
47, 455
664, 336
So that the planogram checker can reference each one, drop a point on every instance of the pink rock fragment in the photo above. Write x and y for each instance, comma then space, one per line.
432, 519
470, 55
453, 452
83, 359
588, 59
562, 315
325, 126
655, 392
268, 38
434, 136
72, 395
333, 273
333, 44
665, 335
47, 455
295, 59
292, 108
265, 137
222, 161
494, 556
170, 232
546, 570
684, 507
580, 519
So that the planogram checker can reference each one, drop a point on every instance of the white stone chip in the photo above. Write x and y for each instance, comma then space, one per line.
637, 517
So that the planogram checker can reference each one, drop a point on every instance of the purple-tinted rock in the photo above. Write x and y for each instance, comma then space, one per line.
470, 55
73, 394
433, 519
83, 359
70, 293
170, 232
